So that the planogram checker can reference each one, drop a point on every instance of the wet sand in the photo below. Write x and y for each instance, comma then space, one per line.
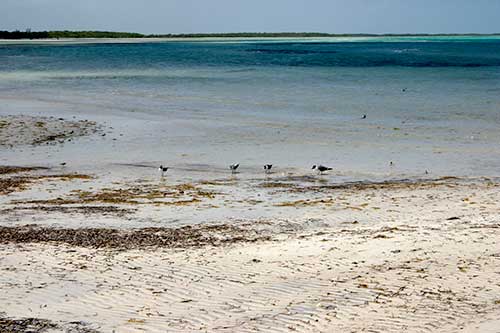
23, 130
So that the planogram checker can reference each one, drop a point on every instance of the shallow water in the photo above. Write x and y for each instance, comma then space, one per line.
431, 104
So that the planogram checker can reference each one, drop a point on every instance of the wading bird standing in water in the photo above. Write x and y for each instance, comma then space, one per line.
162, 170
267, 168
233, 167
321, 168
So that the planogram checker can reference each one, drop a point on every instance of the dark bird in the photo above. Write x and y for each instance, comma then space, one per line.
162, 170
268, 168
321, 168
233, 167
62, 164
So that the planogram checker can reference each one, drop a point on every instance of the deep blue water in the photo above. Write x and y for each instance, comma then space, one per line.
482, 53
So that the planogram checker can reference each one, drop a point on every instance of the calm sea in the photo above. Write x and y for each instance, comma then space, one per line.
430, 103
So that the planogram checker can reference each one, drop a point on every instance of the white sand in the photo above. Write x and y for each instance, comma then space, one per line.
405, 266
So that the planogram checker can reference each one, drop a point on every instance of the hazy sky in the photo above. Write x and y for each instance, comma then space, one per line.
175, 16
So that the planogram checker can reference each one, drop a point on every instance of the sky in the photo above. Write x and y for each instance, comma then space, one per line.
188, 16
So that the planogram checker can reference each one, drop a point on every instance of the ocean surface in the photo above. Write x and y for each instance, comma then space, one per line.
431, 104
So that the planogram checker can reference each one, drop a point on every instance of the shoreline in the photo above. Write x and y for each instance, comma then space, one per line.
340, 38
123, 134
47, 196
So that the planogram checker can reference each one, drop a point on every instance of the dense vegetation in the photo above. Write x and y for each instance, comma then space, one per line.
28, 34
23, 34
66, 34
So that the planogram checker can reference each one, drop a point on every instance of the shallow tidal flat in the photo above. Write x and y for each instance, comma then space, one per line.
80, 254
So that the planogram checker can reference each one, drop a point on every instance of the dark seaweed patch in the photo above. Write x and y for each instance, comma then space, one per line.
189, 236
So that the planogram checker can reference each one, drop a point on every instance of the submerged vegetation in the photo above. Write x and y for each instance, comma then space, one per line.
166, 195
28, 34
21, 183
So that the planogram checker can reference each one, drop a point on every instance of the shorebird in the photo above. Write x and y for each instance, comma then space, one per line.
233, 167
321, 168
364, 116
162, 170
268, 167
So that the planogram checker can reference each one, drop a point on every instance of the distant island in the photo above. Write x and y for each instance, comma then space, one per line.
28, 34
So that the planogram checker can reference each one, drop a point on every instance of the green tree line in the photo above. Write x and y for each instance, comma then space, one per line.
66, 34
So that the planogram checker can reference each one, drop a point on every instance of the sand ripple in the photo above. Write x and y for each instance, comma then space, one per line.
420, 280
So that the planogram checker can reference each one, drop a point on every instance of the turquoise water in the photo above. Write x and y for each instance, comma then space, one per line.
431, 103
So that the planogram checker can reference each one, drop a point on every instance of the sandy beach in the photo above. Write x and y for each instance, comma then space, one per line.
82, 254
